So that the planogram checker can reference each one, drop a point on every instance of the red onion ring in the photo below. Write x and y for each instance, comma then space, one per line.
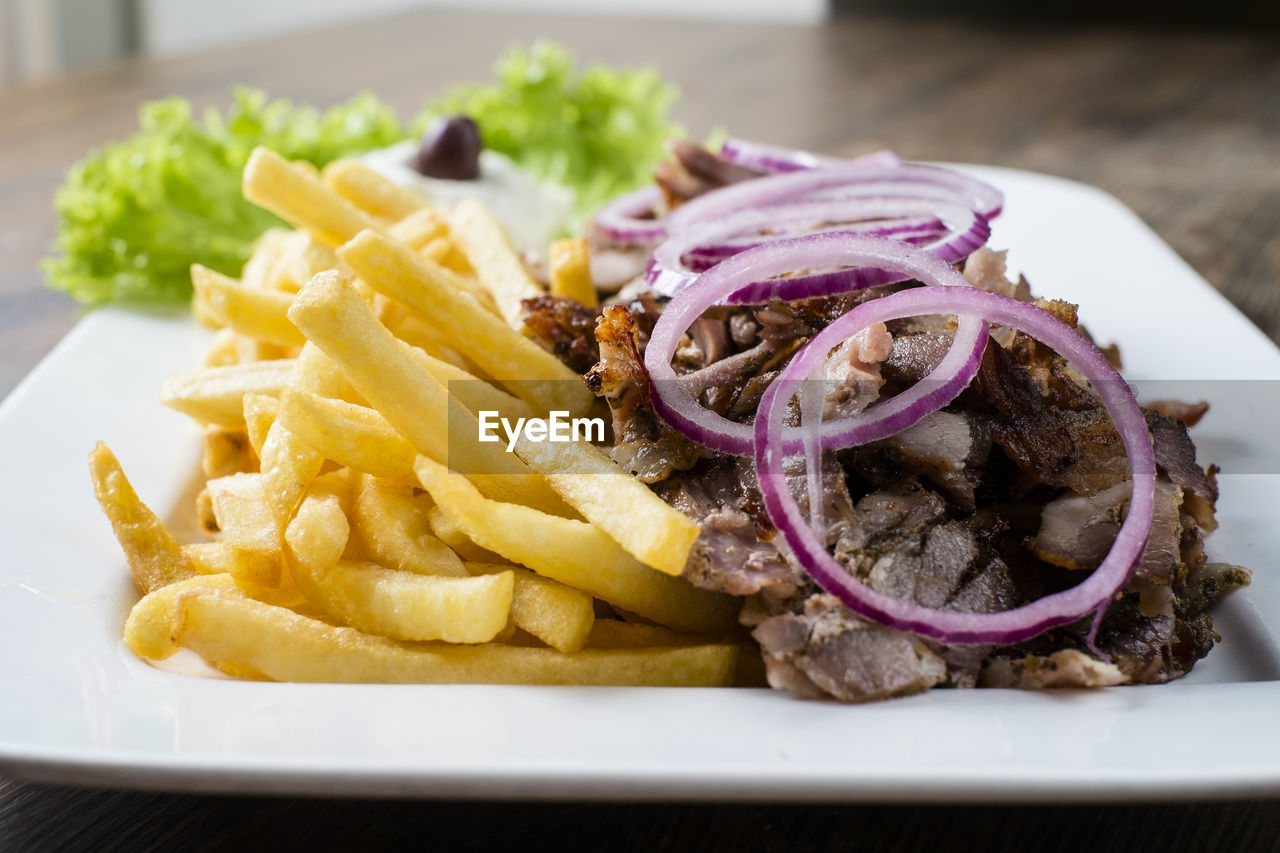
963, 231
716, 286
839, 182
952, 627
631, 219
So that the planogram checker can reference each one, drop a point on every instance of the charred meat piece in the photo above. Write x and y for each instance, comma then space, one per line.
1061, 435
824, 650
736, 549
1189, 413
565, 328
693, 170
642, 443
1076, 531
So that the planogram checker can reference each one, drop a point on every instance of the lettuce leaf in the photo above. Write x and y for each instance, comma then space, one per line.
136, 214
598, 131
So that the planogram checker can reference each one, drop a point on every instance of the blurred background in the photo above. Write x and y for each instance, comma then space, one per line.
42, 37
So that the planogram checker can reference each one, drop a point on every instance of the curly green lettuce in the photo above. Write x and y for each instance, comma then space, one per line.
136, 214
597, 130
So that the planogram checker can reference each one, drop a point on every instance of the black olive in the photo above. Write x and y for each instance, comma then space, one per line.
450, 150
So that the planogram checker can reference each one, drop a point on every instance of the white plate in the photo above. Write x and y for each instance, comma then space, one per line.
77, 707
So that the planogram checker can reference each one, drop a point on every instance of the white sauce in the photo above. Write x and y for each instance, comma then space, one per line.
532, 214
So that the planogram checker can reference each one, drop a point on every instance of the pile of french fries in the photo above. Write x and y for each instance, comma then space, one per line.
359, 529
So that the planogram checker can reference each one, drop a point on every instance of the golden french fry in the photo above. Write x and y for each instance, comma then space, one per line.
415, 230
488, 250
556, 614
649, 528
226, 628
437, 250
261, 314
385, 601
155, 558
354, 436
407, 606
308, 257
528, 371
288, 463
204, 512
569, 267
260, 412
392, 525
451, 534
269, 252
574, 553
300, 198
146, 631
215, 395
616, 634
252, 568
227, 451
653, 531
244, 513
471, 391
421, 335
317, 534
224, 349
370, 191
387, 373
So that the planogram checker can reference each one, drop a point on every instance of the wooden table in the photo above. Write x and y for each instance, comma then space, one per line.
1184, 128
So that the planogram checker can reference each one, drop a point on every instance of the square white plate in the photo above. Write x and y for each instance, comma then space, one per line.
75, 706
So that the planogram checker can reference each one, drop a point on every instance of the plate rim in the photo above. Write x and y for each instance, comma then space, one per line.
275, 774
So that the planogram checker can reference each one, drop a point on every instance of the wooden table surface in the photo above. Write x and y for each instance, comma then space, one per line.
1184, 128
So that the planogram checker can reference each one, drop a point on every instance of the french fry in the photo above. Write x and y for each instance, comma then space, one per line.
285, 260
252, 568
227, 451
385, 601
308, 257
407, 606
556, 614
369, 191
260, 412
224, 350
649, 528
438, 250
575, 553
528, 371
155, 557
616, 634
244, 513
224, 627
421, 335
215, 395
146, 631
204, 512
385, 371
259, 313
419, 228
269, 253
653, 531
451, 534
488, 250
392, 525
288, 463
354, 436
569, 267
272, 182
